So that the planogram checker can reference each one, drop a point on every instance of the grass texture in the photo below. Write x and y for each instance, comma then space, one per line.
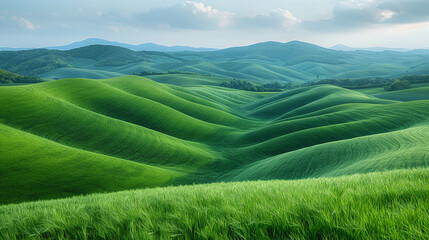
388, 205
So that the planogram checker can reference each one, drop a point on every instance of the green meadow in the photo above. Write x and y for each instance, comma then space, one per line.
107, 159
388, 205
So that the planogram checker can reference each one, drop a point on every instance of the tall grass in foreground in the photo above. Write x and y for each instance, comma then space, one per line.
390, 205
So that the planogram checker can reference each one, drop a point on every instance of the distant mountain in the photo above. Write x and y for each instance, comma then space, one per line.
341, 47
140, 47
263, 62
419, 51
13, 49
289, 53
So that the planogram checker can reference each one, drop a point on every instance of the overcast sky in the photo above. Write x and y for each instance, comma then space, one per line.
219, 24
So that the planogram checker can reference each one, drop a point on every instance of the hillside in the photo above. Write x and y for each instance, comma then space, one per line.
12, 78
69, 137
263, 62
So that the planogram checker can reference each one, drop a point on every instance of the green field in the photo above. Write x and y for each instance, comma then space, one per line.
355, 162
389, 205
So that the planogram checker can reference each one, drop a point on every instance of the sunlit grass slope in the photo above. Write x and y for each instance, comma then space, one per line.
38, 112
33, 168
186, 79
165, 134
306, 100
400, 149
389, 205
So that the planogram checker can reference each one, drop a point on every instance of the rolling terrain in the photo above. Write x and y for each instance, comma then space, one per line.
78, 136
306, 163
294, 61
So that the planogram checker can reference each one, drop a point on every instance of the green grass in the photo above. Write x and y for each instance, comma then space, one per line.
196, 134
360, 163
307, 100
186, 79
418, 91
412, 94
400, 149
389, 205
73, 72
36, 168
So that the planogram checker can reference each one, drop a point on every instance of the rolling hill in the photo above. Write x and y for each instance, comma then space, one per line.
263, 62
132, 132
306, 163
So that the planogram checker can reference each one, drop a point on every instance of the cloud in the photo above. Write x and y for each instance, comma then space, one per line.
277, 18
23, 22
410, 11
188, 15
352, 14
196, 15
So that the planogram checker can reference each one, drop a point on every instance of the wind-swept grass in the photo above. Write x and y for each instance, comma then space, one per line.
390, 205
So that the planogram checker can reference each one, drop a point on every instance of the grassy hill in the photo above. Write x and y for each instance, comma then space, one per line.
353, 164
263, 62
388, 205
13, 78
419, 93
131, 132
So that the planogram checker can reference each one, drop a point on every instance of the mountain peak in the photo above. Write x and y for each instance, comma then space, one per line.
342, 47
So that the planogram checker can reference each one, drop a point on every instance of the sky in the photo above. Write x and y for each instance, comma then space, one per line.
217, 24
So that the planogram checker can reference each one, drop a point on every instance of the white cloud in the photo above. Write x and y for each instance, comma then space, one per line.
385, 15
23, 22
189, 14
350, 14
277, 18
197, 15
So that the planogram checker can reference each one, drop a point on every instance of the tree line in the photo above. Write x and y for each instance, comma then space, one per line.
389, 84
250, 86
149, 73
8, 77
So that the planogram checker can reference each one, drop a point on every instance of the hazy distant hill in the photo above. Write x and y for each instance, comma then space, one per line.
140, 47
342, 47
263, 62
288, 53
